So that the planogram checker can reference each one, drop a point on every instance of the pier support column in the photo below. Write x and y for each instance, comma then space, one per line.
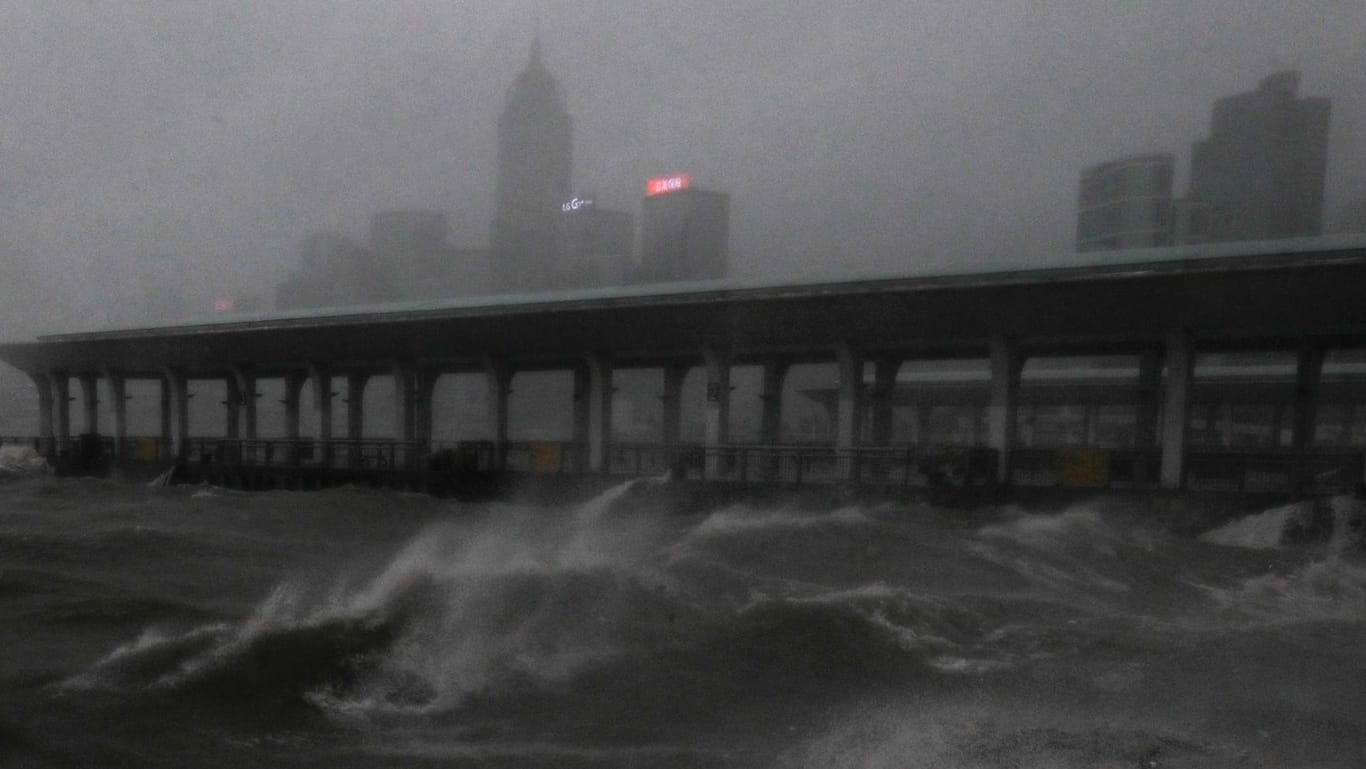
403, 402
61, 408
581, 393
424, 385
321, 377
672, 403
177, 393
771, 415
498, 375
1006, 365
849, 412
1180, 355
43, 384
118, 409
232, 408
166, 438
90, 402
716, 414
1149, 404
884, 398
245, 377
355, 415
294, 384
1308, 372
599, 367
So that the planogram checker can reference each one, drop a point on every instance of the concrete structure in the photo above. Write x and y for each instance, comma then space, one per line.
1262, 168
1126, 203
1159, 306
535, 163
685, 235
594, 245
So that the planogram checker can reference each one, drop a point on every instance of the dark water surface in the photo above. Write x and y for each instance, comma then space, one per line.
190, 627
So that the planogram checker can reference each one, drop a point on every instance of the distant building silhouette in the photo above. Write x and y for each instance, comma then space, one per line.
1261, 171
1126, 203
594, 245
535, 161
685, 232
333, 270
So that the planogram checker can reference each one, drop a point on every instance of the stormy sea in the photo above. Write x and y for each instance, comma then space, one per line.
203, 627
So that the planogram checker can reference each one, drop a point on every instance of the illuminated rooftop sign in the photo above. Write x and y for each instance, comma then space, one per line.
663, 185
575, 204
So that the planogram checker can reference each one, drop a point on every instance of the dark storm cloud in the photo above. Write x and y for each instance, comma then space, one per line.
870, 135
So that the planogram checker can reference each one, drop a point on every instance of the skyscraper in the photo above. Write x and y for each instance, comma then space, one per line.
1126, 203
535, 160
1261, 171
685, 234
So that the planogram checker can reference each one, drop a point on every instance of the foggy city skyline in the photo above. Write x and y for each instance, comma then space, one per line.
200, 143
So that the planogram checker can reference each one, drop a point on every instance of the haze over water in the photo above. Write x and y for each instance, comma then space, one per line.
200, 627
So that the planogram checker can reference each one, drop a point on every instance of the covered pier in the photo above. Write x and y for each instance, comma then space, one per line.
1157, 308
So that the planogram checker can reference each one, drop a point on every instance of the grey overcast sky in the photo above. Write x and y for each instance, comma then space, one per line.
195, 142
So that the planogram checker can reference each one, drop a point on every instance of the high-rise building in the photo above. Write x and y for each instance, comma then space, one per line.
1126, 203
1262, 169
535, 160
685, 232
595, 245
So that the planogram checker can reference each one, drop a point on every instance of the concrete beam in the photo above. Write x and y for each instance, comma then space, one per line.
1180, 354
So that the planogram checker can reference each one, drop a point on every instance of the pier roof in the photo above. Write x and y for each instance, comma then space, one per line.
1236, 294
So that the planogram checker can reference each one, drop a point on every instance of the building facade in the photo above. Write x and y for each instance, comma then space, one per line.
535, 162
1261, 170
685, 232
1126, 203
595, 245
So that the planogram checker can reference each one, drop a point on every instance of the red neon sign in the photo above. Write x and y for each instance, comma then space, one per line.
663, 185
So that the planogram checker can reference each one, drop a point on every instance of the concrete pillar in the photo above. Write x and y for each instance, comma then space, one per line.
1006, 365
424, 386
922, 424
166, 447
672, 402
355, 414
321, 377
1277, 423
294, 384
61, 405
403, 402
884, 398
1149, 399
1180, 355
90, 402
232, 408
177, 392
355, 405
849, 408
716, 413
1226, 424
1308, 372
599, 368
118, 409
771, 415
43, 384
245, 377
582, 392
498, 375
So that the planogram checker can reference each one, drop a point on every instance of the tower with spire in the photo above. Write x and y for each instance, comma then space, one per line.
535, 162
